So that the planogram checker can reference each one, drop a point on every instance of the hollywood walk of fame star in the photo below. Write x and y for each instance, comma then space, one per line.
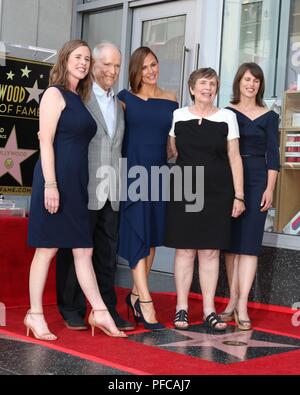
25, 72
34, 93
11, 156
10, 75
235, 344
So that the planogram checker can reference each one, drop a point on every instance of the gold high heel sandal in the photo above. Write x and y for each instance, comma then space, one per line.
45, 336
227, 317
94, 324
243, 325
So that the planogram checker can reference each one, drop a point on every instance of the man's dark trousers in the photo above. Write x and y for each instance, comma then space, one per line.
70, 298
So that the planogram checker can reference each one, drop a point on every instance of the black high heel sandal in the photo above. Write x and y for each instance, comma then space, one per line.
147, 325
212, 320
128, 301
181, 317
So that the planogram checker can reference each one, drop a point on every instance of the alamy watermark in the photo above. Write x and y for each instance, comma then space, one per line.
2, 54
296, 316
139, 183
2, 314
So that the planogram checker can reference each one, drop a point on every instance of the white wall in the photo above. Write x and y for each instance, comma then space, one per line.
38, 23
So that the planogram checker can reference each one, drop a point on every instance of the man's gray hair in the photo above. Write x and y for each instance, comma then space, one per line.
104, 44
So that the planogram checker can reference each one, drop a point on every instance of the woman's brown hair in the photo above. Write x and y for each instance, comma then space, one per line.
136, 66
257, 72
59, 72
205, 72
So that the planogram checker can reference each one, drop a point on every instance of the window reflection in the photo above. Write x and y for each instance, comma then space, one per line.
103, 26
166, 38
250, 33
293, 69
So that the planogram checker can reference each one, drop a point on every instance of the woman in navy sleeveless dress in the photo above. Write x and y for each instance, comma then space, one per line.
70, 226
58, 213
259, 149
148, 119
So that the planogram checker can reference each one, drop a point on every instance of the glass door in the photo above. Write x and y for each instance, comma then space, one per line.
168, 29
250, 34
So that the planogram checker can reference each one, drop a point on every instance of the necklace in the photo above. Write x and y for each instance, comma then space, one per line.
248, 109
195, 111
201, 114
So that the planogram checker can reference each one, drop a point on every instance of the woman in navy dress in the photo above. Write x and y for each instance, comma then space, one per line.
58, 214
148, 119
259, 149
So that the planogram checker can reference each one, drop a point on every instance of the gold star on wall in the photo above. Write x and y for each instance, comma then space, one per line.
25, 72
10, 75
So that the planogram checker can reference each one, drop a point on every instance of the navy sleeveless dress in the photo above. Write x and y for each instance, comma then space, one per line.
142, 222
259, 148
70, 226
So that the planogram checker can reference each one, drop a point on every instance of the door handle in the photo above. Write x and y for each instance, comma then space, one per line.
182, 75
197, 52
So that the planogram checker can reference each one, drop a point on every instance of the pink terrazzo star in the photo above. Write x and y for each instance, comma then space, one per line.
11, 156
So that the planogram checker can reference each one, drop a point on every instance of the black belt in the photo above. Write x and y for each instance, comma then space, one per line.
252, 156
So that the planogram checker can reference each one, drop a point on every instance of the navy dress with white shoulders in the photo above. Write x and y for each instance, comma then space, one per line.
203, 143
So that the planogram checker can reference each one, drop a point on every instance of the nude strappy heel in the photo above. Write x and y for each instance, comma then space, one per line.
45, 336
94, 324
